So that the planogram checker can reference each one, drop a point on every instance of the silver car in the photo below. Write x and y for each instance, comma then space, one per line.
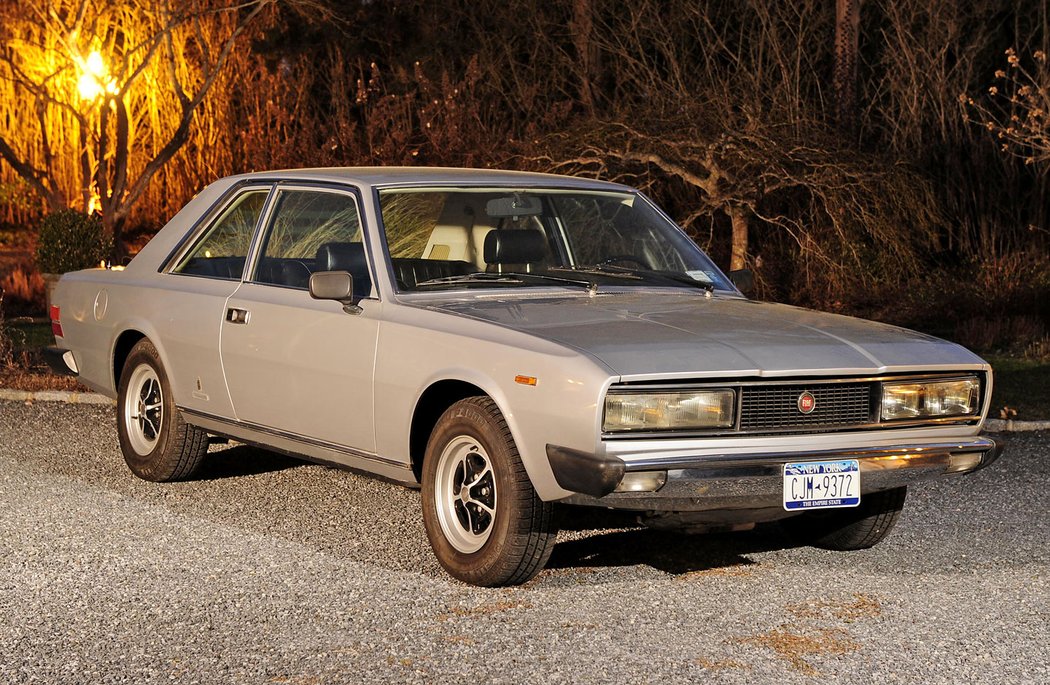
509, 342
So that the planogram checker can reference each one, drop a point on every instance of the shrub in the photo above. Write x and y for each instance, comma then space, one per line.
23, 288
70, 240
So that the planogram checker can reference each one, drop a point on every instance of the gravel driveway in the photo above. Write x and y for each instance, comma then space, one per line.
271, 570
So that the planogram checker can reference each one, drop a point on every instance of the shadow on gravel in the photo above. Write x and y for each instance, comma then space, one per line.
670, 552
243, 460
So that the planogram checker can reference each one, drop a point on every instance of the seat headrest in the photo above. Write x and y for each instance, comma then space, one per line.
515, 246
341, 257
346, 257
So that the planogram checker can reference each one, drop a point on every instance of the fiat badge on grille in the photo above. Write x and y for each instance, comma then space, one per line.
806, 402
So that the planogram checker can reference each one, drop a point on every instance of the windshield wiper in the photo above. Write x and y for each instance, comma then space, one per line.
510, 277
479, 277
589, 285
617, 271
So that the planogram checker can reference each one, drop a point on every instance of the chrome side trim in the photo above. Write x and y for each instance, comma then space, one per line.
304, 447
980, 444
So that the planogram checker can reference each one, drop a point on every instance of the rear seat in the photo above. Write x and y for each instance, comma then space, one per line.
409, 272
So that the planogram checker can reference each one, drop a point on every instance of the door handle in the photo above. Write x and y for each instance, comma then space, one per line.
234, 315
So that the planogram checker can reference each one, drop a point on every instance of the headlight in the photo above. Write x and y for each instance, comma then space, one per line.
929, 399
669, 410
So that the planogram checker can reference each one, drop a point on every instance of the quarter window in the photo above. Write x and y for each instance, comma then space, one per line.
222, 250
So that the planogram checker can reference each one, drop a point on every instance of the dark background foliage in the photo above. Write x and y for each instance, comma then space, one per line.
723, 111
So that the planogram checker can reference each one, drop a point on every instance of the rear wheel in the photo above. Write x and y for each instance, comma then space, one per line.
157, 444
485, 522
844, 530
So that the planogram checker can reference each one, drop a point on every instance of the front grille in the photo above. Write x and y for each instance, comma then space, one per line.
775, 407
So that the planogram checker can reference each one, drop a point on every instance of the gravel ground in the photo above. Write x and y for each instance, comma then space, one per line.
271, 570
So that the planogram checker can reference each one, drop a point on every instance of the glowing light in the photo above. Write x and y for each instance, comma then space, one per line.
95, 65
94, 202
94, 79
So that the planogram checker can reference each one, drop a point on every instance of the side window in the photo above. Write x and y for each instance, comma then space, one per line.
221, 251
313, 231
410, 220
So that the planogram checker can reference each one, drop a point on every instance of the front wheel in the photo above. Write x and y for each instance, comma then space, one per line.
485, 522
157, 444
844, 530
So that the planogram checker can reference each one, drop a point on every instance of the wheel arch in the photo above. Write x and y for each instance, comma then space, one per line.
122, 347
432, 403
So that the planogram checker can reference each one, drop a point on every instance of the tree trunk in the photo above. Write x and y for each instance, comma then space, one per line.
114, 225
739, 217
844, 77
86, 178
581, 25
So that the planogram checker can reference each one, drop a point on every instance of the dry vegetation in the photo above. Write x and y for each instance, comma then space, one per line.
722, 111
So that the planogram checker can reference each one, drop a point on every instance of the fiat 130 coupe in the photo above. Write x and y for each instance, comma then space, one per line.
511, 343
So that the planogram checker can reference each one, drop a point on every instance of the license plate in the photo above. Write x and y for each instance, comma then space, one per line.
821, 484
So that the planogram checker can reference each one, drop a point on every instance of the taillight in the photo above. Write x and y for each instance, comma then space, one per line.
56, 323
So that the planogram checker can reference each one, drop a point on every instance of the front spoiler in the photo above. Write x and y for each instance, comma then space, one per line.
750, 481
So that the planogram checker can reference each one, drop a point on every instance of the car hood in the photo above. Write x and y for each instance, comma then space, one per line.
671, 334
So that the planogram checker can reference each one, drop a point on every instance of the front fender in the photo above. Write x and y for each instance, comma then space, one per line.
561, 408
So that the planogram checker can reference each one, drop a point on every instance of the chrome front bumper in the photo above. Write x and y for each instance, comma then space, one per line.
754, 481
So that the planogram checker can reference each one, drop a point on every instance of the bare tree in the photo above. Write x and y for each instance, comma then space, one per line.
98, 97
844, 78
1017, 108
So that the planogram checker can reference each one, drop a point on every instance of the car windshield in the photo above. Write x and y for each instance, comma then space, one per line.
441, 238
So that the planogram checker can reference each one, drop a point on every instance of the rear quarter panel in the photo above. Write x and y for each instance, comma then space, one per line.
133, 297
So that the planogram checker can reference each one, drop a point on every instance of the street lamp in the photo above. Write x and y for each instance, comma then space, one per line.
94, 78
94, 82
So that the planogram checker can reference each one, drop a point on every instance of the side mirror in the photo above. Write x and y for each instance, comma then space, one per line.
743, 279
335, 285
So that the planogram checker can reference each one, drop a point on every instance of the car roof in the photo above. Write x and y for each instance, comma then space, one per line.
408, 176
156, 251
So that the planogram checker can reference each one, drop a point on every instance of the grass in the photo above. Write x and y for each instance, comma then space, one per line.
22, 365
1022, 385
28, 334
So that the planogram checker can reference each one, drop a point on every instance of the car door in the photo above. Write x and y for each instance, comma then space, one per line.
195, 289
294, 365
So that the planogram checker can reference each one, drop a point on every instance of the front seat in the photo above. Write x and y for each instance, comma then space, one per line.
515, 250
346, 257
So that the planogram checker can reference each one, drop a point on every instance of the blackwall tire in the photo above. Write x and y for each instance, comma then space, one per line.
844, 530
157, 444
486, 524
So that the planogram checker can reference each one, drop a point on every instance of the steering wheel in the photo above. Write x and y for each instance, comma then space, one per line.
624, 259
